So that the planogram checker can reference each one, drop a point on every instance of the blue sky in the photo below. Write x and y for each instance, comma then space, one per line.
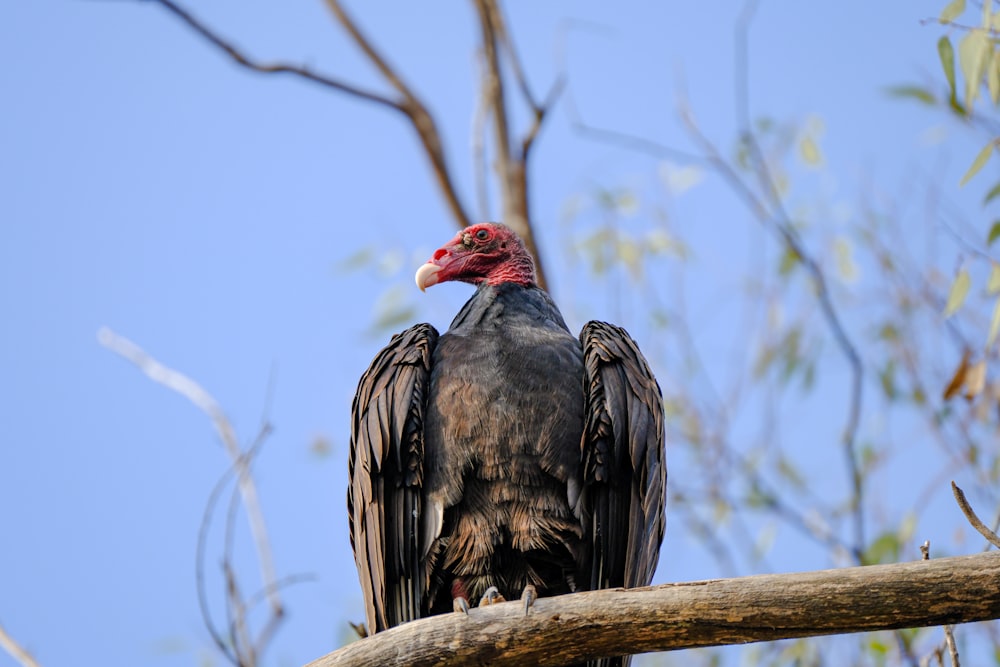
149, 185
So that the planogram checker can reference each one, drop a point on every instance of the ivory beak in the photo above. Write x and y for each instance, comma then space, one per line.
427, 275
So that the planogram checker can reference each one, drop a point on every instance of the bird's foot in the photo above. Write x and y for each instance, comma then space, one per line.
459, 596
528, 597
491, 596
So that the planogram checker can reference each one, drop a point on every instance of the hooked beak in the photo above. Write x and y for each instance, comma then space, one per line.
427, 275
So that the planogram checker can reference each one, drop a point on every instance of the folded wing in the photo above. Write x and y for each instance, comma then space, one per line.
625, 475
386, 473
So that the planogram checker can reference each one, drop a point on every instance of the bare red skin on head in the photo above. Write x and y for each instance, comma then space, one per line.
487, 252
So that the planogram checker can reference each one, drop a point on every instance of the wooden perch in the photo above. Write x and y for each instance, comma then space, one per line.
572, 628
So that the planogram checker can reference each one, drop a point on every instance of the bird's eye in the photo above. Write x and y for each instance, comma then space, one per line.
482, 235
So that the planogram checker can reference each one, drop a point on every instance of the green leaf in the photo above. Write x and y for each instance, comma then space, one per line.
993, 284
391, 309
981, 159
885, 549
974, 52
877, 647
809, 150
789, 260
993, 77
947, 54
994, 325
887, 378
990, 196
912, 92
958, 292
952, 11
355, 261
889, 333
847, 268
788, 471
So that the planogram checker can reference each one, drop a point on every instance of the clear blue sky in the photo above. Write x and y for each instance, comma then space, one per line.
149, 185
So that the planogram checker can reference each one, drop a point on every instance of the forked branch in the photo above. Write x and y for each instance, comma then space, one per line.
511, 161
407, 103
239, 647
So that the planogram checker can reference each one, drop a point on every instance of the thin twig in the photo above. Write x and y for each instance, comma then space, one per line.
226, 646
949, 639
236, 611
970, 514
949, 633
782, 225
629, 141
539, 114
500, 26
275, 68
204, 401
409, 105
239, 632
538, 109
772, 214
238, 649
221, 642
15, 650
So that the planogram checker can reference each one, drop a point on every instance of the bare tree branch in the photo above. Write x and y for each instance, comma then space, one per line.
512, 168
240, 648
480, 164
507, 42
409, 105
782, 225
204, 401
949, 640
15, 650
704, 613
415, 110
494, 95
275, 68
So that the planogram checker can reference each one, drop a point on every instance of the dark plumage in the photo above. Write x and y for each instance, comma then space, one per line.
505, 452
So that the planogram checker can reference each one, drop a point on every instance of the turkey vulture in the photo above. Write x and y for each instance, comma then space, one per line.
505, 453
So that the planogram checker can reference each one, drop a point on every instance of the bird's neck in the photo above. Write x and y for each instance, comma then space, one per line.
519, 270
507, 305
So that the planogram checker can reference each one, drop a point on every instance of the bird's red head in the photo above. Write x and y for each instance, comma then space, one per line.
488, 252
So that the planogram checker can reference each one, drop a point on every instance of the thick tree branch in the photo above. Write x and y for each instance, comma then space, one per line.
511, 166
495, 96
686, 615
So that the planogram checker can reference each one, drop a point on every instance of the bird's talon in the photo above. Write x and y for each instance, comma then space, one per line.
460, 604
528, 596
491, 596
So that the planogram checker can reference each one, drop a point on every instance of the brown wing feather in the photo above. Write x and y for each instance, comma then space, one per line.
625, 475
386, 474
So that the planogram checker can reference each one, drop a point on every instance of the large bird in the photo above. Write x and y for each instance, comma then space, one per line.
505, 456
